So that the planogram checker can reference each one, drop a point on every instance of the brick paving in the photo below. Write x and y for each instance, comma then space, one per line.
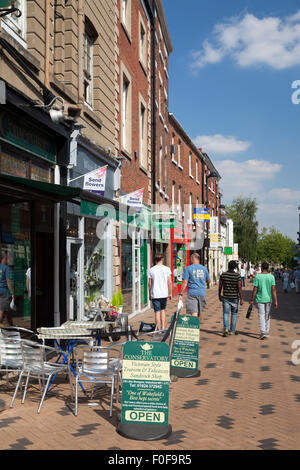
247, 397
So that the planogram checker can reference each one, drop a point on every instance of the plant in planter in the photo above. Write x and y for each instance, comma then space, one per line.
120, 301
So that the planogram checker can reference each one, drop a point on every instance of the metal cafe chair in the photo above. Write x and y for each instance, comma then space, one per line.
10, 349
35, 366
98, 365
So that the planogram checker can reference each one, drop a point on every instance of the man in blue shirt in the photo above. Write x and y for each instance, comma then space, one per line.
6, 287
196, 277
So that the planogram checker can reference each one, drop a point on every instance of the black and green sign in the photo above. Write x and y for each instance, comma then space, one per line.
17, 132
145, 384
185, 352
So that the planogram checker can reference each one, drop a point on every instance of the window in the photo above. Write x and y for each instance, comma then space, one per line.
173, 196
190, 208
88, 69
143, 135
159, 167
15, 25
179, 201
197, 202
173, 148
190, 165
179, 153
143, 44
126, 114
197, 172
126, 15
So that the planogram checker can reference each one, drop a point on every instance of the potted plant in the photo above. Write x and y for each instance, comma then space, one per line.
120, 301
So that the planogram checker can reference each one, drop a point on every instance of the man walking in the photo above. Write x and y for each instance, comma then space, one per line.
196, 277
297, 280
230, 283
6, 287
160, 289
243, 273
264, 288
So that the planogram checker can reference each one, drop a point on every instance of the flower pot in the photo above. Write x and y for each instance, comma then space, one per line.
120, 309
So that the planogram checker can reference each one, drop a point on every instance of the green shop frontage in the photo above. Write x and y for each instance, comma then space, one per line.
32, 147
132, 236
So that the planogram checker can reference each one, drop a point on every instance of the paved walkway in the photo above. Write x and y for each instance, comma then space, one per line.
248, 395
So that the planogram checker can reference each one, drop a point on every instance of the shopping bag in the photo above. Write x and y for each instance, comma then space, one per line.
292, 285
249, 311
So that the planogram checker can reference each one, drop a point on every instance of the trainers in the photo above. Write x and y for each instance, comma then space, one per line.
233, 332
225, 333
262, 336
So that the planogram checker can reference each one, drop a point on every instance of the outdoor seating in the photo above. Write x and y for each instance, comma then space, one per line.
35, 366
98, 365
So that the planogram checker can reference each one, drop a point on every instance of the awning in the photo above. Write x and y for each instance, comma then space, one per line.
15, 189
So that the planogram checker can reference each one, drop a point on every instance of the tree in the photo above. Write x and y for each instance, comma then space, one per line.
275, 248
243, 213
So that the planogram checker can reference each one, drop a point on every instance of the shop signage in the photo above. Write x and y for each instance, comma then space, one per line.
17, 132
214, 232
185, 352
201, 213
145, 383
134, 199
94, 181
227, 250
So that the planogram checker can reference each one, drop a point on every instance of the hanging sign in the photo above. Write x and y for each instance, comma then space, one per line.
185, 352
201, 213
145, 390
95, 181
134, 199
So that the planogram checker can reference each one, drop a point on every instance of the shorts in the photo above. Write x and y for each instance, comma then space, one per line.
4, 302
195, 303
159, 304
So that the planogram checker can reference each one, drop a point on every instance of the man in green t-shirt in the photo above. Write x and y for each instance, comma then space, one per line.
263, 291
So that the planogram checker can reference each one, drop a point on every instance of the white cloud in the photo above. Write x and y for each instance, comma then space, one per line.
283, 216
252, 41
220, 145
245, 178
283, 195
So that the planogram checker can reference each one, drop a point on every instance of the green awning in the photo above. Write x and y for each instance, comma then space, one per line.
14, 189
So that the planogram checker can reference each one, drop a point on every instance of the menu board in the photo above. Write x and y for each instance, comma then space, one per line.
185, 353
145, 384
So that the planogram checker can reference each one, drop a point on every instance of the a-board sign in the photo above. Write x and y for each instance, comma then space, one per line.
145, 390
185, 353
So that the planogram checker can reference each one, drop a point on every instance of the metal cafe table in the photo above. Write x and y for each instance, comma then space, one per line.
74, 333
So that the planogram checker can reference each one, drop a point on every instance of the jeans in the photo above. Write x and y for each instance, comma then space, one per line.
233, 306
264, 317
242, 281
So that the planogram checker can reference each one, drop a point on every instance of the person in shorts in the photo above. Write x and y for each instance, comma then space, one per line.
160, 289
6, 288
195, 278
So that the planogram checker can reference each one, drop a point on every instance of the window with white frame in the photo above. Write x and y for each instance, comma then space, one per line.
143, 135
16, 25
197, 202
173, 196
190, 165
126, 15
159, 167
179, 200
190, 208
173, 148
179, 154
88, 68
126, 113
197, 172
143, 44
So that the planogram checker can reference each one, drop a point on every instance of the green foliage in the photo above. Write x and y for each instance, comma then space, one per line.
117, 299
243, 213
275, 248
114, 300
120, 298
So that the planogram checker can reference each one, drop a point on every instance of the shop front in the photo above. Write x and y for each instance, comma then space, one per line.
180, 254
30, 148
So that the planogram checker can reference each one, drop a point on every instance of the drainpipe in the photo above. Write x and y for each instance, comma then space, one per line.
47, 43
56, 254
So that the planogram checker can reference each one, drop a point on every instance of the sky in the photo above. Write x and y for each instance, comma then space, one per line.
234, 87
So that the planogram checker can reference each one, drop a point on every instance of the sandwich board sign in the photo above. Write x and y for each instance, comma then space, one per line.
185, 351
145, 391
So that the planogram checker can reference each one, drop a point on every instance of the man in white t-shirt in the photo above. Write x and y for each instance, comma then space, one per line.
242, 274
160, 289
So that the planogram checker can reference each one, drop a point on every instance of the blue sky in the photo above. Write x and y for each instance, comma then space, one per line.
231, 75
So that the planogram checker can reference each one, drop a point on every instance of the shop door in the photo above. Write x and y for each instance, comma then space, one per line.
75, 289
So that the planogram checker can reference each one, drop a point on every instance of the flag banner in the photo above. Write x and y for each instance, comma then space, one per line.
95, 181
134, 199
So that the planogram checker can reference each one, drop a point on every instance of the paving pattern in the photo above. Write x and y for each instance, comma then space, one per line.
247, 397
